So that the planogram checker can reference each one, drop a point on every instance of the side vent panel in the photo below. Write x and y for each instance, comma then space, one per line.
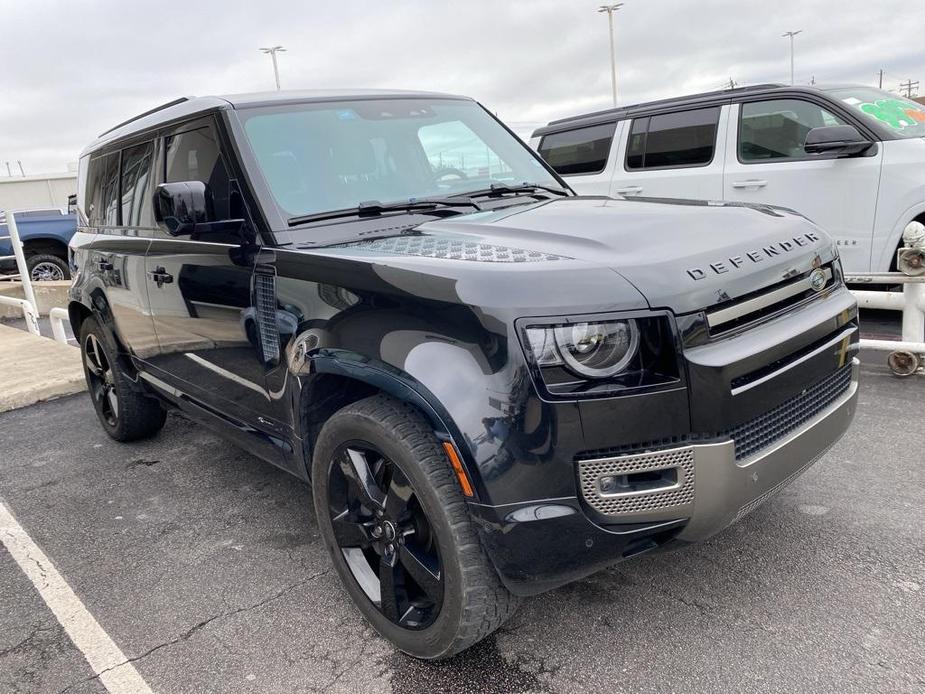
265, 304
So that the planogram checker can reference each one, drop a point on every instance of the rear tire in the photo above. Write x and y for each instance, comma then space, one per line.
45, 268
125, 413
380, 475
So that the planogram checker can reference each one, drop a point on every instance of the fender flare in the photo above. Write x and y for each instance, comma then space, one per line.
404, 388
98, 308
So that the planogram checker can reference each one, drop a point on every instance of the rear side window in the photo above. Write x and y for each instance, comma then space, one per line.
137, 175
776, 130
102, 196
670, 140
195, 156
581, 151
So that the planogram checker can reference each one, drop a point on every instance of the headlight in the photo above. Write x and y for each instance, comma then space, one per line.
602, 357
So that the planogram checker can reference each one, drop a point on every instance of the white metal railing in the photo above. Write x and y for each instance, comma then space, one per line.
908, 354
31, 314
57, 317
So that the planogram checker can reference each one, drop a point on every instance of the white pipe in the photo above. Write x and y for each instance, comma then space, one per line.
893, 346
28, 312
57, 316
881, 301
914, 313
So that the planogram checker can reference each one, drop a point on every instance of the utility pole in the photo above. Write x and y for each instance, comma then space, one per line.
909, 85
21, 170
791, 34
881, 78
272, 53
732, 83
610, 9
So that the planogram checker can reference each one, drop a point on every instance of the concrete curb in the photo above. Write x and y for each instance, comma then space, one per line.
33, 369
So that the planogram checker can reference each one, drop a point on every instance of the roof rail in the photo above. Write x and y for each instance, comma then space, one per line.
686, 98
147, 113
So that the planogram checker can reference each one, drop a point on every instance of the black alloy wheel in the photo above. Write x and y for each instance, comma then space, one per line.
385, 538
126, 411
101, 381
397, 526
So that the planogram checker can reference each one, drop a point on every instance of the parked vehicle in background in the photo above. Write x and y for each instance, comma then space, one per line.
850, 158
44, 235
494, 386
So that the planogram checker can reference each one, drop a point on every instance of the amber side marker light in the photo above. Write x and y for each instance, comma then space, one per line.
458, 468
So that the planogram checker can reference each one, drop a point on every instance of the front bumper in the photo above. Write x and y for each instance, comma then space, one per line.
539, 546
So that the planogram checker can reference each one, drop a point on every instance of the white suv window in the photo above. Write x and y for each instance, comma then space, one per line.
673, 140
775, 130
580, 151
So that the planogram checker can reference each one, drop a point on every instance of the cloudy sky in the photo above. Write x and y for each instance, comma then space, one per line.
69, 70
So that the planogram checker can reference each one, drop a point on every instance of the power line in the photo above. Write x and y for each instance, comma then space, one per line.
909, 85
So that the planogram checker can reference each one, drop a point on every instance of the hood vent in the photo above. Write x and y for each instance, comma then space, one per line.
451, 249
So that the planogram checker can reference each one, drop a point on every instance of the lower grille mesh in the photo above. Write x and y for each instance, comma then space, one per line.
759, 433
589, 471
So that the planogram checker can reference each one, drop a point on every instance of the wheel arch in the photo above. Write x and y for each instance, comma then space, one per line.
78, 313
48, 245
336, 382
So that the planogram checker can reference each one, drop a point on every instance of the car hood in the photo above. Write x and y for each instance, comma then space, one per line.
681, 255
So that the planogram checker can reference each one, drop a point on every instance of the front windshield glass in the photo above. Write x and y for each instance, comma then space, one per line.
319, 157
904, 117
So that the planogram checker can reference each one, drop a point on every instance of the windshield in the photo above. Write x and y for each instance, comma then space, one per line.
905, 117
318, 157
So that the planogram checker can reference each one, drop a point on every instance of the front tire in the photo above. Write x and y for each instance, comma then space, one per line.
392, 515
125, 413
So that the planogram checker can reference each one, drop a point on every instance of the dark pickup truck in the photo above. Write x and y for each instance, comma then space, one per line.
44, 235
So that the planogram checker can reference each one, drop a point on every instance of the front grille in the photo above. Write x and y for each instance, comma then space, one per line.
768, 302
753, 436
590, 471
764, 430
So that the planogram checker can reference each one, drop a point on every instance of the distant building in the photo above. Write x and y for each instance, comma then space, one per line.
42, 190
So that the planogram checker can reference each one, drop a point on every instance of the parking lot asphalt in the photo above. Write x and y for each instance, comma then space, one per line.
205, 566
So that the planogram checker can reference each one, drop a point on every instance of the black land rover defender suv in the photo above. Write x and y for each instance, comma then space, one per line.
494, 386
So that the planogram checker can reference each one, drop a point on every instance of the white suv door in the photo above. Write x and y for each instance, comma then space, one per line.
766, 163
672, 155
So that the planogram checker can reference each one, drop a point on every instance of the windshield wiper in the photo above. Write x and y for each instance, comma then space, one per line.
374, 208
496, 190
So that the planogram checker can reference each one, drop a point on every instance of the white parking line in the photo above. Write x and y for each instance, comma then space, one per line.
103, 655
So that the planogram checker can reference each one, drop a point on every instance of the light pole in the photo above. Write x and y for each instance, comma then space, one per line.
610, 9
791, 34
272, 52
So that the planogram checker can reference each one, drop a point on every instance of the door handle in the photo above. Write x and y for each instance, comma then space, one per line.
160, 277
629, 190
751, 183
104, 265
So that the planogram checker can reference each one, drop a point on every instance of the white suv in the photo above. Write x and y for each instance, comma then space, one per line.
850, 158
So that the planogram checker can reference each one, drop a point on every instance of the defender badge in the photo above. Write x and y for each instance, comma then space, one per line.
817, 280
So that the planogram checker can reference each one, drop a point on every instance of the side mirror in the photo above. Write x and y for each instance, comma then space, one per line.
841, 140
72, 203
179, 207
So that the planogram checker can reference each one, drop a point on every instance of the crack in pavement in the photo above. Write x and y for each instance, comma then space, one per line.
201, 625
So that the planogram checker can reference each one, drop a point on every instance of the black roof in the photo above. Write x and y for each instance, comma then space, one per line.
192, 105
722, 96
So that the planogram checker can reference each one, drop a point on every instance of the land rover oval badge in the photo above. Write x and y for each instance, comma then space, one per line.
817, 280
